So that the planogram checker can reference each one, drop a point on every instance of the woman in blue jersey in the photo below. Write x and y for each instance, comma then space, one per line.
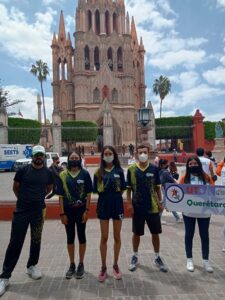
74, 193
109, 183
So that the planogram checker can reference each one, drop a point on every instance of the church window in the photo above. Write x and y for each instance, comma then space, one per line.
96, 59
60, 69
96, 96
107, 28
86, 58
114, 96
110, 58
89, 20
115, 22
120, 60
97, 22
65, 70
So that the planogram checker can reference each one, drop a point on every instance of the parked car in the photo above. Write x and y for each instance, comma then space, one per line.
19, 163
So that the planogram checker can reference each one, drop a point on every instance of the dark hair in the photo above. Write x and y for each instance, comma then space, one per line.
208, 153
143, 146
70, 153
162, 162
200, 151
115, 162
188, 174
172, 166
55, 157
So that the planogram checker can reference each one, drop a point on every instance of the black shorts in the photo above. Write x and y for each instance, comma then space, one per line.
110, 206
153, 222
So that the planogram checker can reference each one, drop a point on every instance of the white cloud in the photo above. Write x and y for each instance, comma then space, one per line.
28, 41
221, 3
29, 107
215, 76
187, 58
186, 80
51, 2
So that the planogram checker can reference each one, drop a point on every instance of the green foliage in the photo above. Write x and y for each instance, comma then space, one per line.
79, 131
174, 127
210, 132
24, 131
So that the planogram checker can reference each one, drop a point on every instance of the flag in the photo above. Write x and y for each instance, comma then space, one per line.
20, 114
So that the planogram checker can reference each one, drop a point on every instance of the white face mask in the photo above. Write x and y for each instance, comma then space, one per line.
108, 159
143, 157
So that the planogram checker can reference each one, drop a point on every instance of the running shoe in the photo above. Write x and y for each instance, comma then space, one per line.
160, 264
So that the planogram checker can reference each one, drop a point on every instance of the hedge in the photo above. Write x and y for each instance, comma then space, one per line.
79, 131
174, 127
23, 131
210, 132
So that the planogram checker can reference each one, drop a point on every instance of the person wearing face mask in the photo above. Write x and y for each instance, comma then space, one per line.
166, 177
74, 190
143, 183
195, 175
55, 169
109, 184
31, 184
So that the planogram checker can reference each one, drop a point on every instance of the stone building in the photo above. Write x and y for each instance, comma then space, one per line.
101, 78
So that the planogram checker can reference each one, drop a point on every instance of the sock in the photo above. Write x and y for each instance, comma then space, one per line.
156, 254
135, 254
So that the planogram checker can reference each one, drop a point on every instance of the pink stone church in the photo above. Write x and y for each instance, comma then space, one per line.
100, 78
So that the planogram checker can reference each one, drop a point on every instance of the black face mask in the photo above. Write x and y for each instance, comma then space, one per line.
74, 163
194, 169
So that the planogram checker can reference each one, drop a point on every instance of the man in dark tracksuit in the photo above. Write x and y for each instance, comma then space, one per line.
31, 184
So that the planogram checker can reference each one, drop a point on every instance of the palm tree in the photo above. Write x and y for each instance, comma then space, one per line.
161, 87
41, 71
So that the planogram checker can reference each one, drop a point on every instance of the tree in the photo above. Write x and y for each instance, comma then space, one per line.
161, 87
41, 71
6, 101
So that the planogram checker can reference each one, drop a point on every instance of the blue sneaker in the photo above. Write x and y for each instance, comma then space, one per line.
160, 264
133, 263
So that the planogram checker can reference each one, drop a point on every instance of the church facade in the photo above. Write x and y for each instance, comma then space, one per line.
101, 78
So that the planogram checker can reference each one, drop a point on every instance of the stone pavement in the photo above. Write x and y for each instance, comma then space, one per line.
146, 283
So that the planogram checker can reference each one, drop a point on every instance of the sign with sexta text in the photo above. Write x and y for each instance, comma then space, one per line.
200, 199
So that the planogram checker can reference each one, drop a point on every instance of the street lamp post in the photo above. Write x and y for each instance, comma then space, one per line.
143, 119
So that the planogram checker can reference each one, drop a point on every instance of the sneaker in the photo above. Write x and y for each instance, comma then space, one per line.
116, 272
160, 264
71, 271
34, 272
133, 263
80, 271
190, 265
207, 266
223, 248
102, 275
3, 285
163, 222
180, 220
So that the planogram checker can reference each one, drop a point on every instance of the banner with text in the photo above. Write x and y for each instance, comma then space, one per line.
188, 198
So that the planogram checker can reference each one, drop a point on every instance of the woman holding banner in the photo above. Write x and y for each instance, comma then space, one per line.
195, 175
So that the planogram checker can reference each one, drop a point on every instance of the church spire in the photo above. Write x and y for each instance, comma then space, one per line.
62, 31
133, 31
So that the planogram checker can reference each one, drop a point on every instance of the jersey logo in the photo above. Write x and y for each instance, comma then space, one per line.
149, 174
116, 176
80, 181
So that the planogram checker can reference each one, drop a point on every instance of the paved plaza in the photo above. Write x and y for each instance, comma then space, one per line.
147, 282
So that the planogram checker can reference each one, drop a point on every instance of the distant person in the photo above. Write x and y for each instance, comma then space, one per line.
173, 170
195, 174
123, 149
183, 156
31, 184
92, 150
211, 157
166, 177
156, 161
74, 193
79, 149
207, 164
131, 150
82, 150
55, 169
109, 183
175, 155
145, 204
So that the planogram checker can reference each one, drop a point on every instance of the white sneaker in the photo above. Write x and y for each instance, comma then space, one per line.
163, 222
223, 248
34, 272
3, 285
180, 220
190, 265
207, 266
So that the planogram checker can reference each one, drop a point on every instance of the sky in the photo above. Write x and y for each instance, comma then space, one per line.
184, 41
